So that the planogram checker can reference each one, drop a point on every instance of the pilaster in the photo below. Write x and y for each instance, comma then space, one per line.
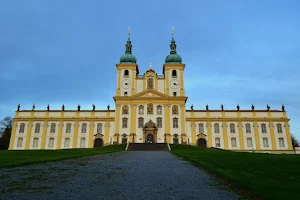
225, 135
75, 138
272, 134
59, 137
241, 136
28, 135
256, 134
13, 135
193, 130
91, 134
209, 134
288, 136
133, 120
44, 134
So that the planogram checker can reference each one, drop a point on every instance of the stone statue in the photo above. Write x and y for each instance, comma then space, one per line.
283, 108
108, 107
222, 107
150, 109
207, 107
268, 107
150, 83
192, 107
252, 107
18, 107
238, 107
174, 110
78, 107
33, 107
94, 107
48, 108
63, 107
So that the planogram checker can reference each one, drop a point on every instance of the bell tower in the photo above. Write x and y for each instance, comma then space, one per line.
127, 70
173, 71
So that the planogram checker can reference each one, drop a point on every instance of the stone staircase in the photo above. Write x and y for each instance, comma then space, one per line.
148, 147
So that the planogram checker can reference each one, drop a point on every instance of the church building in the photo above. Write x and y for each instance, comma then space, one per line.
151, 108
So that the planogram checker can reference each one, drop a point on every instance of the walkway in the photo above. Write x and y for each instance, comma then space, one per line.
125, 175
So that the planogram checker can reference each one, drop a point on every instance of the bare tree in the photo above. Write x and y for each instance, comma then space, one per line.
295, 142
5, 131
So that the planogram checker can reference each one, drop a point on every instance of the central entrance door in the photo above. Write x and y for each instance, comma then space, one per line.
150, 138
98, 143
201, 142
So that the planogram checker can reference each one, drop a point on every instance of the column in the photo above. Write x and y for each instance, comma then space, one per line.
91, 134
75, 136
256, 134
288, 136
225, 135
193, 130
167, 122
60, 129
241, 137
167, 82
182, 122
28, 135
13, 135
118, 83
106, 136
44, 134
133, 119
133, 74
117, 117
209, 134
182, 93
272, 134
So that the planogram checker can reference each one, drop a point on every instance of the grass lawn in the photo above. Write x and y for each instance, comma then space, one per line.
23, 157
267, 176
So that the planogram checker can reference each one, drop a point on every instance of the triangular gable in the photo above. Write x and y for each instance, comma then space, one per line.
150, 93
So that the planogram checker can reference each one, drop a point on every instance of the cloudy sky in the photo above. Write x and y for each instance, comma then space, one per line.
236, 52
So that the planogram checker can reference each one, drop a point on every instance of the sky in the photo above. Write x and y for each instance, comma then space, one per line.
65, 52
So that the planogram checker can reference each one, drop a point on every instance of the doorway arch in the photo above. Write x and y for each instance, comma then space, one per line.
202, 142
98, 143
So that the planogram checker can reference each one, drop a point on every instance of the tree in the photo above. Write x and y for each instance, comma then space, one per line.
295, 142
5, 131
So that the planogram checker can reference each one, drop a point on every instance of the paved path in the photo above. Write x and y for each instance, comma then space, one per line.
124, 175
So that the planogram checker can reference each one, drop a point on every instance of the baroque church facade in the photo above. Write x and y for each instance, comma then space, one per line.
151, 108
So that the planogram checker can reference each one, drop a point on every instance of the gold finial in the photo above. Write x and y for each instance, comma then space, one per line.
129, 31
172, 31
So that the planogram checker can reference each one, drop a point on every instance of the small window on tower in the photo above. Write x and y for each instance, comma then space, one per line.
125, 93
174, 73
174, 94
126, 73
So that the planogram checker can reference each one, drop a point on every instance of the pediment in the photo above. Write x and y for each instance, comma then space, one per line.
150, 93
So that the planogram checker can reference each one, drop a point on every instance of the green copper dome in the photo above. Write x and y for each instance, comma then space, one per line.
173, 58
128, 57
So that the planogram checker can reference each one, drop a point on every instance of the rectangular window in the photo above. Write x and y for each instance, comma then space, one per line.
249, 142
141, 122
279, 128
265, 142
232, 128
281, 142
248, 128
51, 142
67, 142
174, 94
217, 140
175, 123
37, 128
35, 142
233, 142
159, 123
201, 128
124, 123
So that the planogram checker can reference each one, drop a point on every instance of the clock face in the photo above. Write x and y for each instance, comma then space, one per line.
126, 83
174, 84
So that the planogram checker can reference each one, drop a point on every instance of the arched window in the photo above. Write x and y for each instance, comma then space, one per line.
248, 128
51, 142
233, 142
99, 128
249, 142
263, 128
175, 122
141, 122
279, 128
22, 128
141, 110
174, 72
68, 129
201, 128
83, 128
265, 142
217, 128
67, 142
217, 141
20, 142
37, 127
35, 142
175, 110
159, 122
124, 122
159, 109
52, 128
125, 109
82, 142
232, 128
281, 142
126, 72
150, 108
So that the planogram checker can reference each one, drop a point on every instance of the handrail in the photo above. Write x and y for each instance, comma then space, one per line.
127, 146
169, 147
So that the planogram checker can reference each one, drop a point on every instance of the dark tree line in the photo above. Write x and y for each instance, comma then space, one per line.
5, 132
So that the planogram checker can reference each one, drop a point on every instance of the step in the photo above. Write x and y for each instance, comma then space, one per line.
148, 147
